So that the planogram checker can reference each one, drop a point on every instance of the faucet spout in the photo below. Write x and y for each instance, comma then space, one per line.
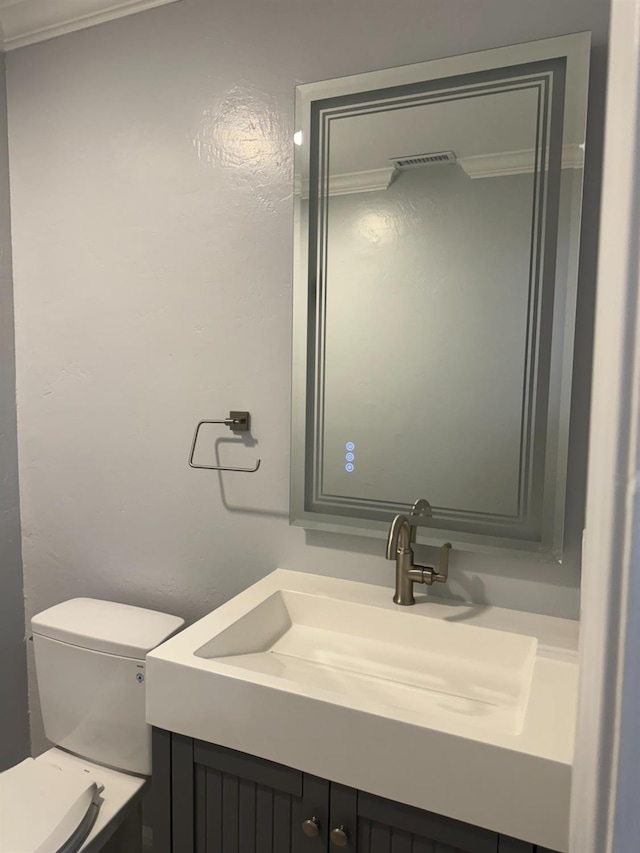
401, 537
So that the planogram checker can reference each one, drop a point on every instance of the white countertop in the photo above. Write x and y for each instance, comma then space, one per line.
514, 779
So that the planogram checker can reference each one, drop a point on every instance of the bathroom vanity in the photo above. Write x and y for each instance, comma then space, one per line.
209, 799
311, 698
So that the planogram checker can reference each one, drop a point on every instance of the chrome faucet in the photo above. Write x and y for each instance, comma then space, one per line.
401, 537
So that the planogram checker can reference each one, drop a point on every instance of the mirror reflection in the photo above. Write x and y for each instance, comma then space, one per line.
440, 225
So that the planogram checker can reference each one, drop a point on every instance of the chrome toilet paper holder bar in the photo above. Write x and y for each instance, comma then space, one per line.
237, 422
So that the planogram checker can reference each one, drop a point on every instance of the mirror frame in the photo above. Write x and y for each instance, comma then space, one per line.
575, 51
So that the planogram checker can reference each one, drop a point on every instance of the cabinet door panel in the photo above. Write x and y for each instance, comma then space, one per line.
182, 794
430, 833
314, 804
230, 813
401, 842
421, 845
236, 814
212, 817
247, 801
282, 819
344, 815
248, 767
264, 819
380, 839
161, 790
364, 835
200, 809
515, 845
375, 837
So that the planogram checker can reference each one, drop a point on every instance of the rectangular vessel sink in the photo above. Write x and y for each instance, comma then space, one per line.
373, 657
464, 710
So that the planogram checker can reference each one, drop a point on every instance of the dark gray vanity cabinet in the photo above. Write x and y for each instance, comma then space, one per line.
210, 799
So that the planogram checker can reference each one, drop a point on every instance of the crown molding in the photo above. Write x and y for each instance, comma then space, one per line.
361, 182
353, 182
24, 22
480, 166
515, 162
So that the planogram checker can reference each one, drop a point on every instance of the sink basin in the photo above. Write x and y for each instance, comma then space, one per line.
375, 657
464, 710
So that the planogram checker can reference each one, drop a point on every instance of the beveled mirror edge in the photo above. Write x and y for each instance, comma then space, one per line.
576, 48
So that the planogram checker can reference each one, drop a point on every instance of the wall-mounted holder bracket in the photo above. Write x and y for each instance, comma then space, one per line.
237, 422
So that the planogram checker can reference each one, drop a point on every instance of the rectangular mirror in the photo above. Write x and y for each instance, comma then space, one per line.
436, 256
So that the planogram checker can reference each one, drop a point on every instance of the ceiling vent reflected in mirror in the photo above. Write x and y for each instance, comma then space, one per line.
417, 161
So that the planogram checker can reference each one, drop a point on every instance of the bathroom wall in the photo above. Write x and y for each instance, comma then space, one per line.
151, 178
14, 721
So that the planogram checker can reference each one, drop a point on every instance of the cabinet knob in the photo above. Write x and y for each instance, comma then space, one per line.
311, 827
338, 836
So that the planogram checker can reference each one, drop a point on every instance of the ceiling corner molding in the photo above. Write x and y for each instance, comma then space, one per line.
515, 162
352, 182
24, 22
361, 182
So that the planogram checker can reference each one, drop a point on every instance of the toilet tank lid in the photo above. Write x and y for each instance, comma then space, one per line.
105, 626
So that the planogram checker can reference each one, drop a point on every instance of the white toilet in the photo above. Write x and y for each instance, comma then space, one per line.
90, 666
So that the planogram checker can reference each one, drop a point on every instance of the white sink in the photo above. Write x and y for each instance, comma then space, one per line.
466, 711
376, 657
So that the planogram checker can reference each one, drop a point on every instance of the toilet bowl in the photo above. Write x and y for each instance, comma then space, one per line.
90, 668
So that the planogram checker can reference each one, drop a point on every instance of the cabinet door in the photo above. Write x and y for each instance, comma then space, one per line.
514, 845
210, 799
244, 804
387, 827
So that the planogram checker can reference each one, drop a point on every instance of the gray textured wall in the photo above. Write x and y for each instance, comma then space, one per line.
151, 168
14, 722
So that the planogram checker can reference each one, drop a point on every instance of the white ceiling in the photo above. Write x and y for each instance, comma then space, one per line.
27, 21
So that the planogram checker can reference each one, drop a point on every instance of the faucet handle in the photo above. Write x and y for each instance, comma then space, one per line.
443, 564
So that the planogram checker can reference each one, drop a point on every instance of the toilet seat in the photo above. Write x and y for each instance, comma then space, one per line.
46, 809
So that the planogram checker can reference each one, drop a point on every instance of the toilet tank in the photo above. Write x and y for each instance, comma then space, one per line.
90, 667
